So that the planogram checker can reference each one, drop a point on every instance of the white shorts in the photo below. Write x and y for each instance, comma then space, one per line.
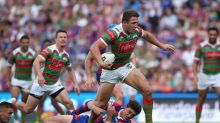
117, 75
205, 81
23, 84
39, 91
128, 90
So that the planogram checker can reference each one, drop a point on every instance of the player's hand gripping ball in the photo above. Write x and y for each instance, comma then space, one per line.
108, 57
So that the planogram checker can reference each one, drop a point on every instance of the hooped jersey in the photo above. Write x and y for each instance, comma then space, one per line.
121, 44
55, 61
209, 56
23, 63
116, 118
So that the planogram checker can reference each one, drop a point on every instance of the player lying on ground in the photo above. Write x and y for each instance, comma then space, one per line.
114, 113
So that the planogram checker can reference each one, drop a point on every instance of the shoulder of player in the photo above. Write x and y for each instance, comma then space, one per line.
15, 51
65, 53
31, 51
204, 43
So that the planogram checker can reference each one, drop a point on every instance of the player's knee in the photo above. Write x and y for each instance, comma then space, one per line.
68, 104
202, 98
101, 104
147, 91
119, 98
53, 102
28, 110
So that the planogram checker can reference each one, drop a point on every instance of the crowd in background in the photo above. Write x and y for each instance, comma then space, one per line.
182, 23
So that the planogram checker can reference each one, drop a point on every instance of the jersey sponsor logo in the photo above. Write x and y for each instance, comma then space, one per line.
64, 59
127, 47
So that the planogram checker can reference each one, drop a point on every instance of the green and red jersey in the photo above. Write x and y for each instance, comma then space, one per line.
209, 56
23, 63
121, 44
55, 61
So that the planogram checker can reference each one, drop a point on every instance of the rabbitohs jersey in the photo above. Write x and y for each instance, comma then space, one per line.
23, 63
121, 44
55, 61
209, 55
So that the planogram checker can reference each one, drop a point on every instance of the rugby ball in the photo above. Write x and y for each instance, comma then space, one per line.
108, 57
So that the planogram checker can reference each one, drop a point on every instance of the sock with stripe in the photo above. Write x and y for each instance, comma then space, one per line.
148, 107
198, 112
82, 109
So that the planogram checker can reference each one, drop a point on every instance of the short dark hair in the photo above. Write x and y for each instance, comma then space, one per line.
6, 104
213, 29
60, 31
128, 14
24, 37
133, 104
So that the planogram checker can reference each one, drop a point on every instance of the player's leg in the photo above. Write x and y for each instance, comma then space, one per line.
217, 90
201, 99
15, 92
117, 94
59, 119
57, 106
137, 80
202, 85
23, 99
62, 96
102, 97
40, 108
84, 108
36, 93
30, 105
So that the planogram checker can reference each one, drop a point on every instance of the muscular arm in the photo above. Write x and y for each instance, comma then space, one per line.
196, 67
8, 74
88, 65
153, 40
36, 65
95, 50
94, 108
71, 74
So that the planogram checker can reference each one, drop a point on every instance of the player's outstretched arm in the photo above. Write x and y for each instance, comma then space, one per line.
152, 39
88, 66
72, 76
36, 65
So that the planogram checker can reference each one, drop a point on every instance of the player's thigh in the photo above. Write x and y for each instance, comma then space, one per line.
217, 90
24, 96
202, 94
32, 102
59, 119
137, 80
15, 91
104, 92
63, 97
117, 91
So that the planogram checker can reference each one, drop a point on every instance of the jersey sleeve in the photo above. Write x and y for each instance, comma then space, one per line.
45, 53
11, 59
109, 37
198, 53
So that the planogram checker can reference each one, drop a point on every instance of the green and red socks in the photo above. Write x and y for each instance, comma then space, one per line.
198, 112
82, 109
148, 107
